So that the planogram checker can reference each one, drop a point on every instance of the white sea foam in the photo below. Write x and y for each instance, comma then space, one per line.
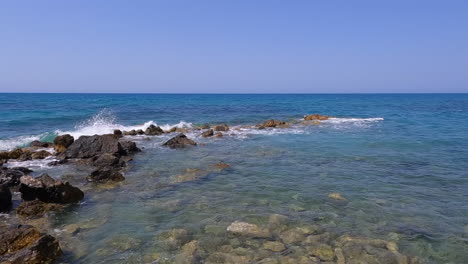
352, 120
37, 163
11, 143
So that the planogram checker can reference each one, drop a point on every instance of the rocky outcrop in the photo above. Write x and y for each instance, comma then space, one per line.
118, 133
25, 244
153, 130
272, 123
5, 199
221, 128
208, 133
179, 141
42, 154
40, 144
90, 146
105, 174
11, 176
35, 208
61, 143
49, 190
316, 117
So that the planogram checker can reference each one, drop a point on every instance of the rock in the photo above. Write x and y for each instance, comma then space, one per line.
129, 147
118, 133
248, 230
4, 155
35, 208
276, 221
294, 235
61, 143
337, 196
15, 154
26, 154
205, 126
340, 259
123, 242
221, 128
25, 244
5, 199
179, 141
140, 132
40, 154
271, 123
219, 134
11, 176
274, 246
172, 130
222, 166
174, 238
105, 174
131, 133
153, 130
208, 133
107, 160
322, 251
90, 146
316, 117
49, 190
39, 144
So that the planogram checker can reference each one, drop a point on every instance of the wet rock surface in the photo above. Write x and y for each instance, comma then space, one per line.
153, 130
25, 244
49, 190
35, 208
5, 199
316, 117
179, 141
11, 176
61, 143
105, 174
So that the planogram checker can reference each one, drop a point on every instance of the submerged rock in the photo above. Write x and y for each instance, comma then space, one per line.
25, 244
5, 198
61, 143
153, 130
246, 229
336, 196
105, 174
49, 190
208, 133
35, 208
11, 176
316, 117
174, 238
274, 246
40, 144
179, 141
222, 166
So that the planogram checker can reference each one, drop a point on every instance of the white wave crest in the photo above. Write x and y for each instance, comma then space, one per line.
11, 143
336, 120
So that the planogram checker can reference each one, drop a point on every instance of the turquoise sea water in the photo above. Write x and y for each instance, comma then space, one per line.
401, 160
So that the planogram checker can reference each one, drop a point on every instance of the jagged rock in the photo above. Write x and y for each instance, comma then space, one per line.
4, 155
11, 176
246, 229
49, 190
5, 198
129, 147
61, 143
40, 154
16, 154
39, 144
26, 245
118, 133
208, 133
316, 117
35, 208
106, 174
153, 130
205, 126
140, 132
106, 160
179, 141
221, 128
90, 146
272, 123
130, 133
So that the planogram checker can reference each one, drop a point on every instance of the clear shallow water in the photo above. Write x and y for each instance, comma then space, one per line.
400, 160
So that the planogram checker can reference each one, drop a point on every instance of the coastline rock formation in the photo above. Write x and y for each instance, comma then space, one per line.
221, 128
5, 199
153, 130
11, 176
273, 123
316, 117
179, 141
49, 190
61, 143
25, 244
208, 133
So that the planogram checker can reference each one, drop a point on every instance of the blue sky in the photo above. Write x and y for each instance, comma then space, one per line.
227, 46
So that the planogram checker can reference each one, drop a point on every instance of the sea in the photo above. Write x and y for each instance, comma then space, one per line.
399, 161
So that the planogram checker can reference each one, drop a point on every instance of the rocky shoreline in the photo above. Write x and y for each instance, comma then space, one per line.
108, 156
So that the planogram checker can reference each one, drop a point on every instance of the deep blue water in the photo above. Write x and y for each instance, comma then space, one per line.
400, 159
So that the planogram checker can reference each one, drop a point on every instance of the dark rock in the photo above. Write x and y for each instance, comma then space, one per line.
102, 175
107, 160
172, 130
16, 154
221, 128
153, 130
131, 133
90, 146
179, 141
129, 147
4, 155
118, 133
35, 208
61, 143
316, 117
40, 154
39, 144
271, 123
25, 155
49, 190
25, 244
208, 133
11, 176
205, 126
56, 162
5, 199
140, 132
